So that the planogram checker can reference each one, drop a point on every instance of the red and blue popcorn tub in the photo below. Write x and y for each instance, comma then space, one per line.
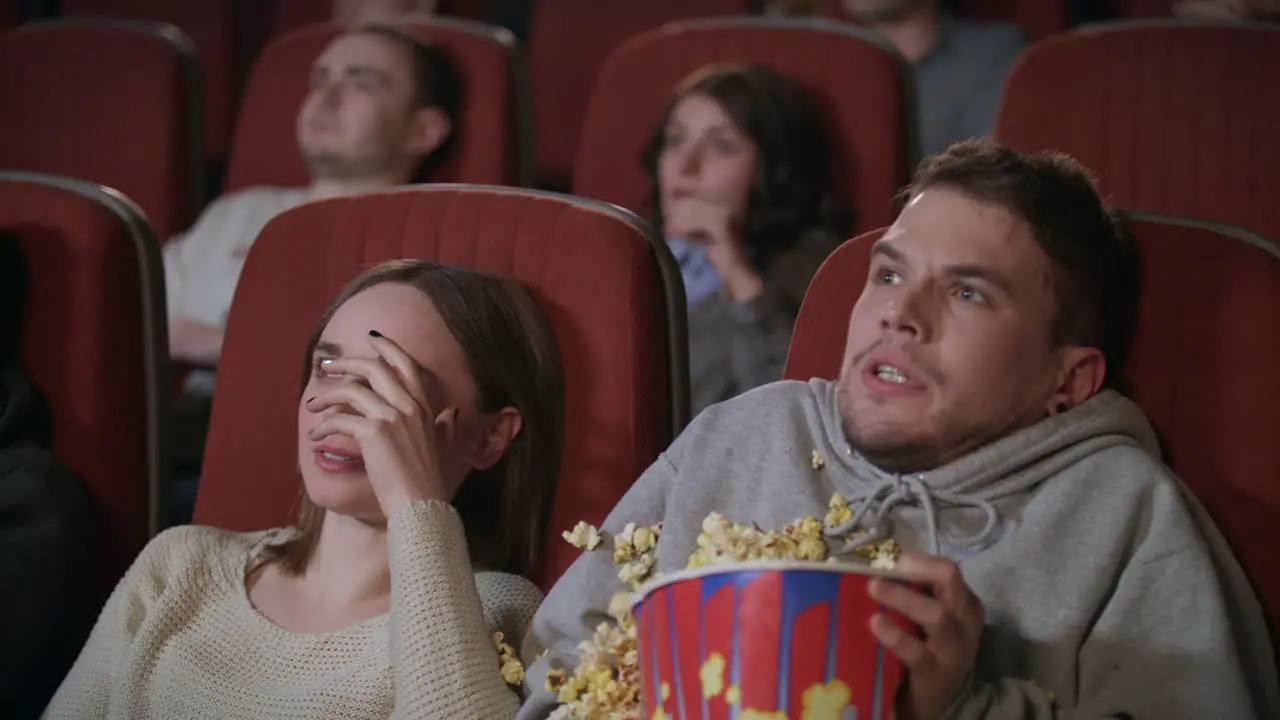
765, 639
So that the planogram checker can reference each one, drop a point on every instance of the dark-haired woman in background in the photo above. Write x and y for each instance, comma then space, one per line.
429, 437
744, 195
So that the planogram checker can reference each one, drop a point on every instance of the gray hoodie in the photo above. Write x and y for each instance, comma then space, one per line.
1107, 588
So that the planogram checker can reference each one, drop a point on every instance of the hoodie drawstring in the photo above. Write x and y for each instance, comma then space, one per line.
878, 500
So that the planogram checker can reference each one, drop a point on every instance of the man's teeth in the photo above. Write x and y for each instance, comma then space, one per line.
339, 458
889, 373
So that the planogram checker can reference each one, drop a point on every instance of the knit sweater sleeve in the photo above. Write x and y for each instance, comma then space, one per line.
85, 693
442, 652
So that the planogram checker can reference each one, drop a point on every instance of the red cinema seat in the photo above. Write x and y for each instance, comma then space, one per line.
491, 141
95, 343
861, 87
217, 33
569, 41
112, 102
1173, 117
608, 284
1202, 365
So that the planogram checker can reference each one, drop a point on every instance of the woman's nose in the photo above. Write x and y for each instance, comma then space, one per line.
691, 161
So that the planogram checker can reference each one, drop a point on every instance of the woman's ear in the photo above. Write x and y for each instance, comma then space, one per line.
499, 430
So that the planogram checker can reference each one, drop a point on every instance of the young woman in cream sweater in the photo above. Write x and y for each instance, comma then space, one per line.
430, 428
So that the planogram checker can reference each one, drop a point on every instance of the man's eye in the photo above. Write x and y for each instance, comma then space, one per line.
968, 293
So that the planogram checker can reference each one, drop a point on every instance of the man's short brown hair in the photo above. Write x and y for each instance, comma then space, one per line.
1094, 267
436, 84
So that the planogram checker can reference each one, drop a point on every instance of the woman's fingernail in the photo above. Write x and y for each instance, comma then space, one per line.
374, 333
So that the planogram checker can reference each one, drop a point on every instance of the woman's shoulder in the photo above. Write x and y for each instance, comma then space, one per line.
201, 540
509, 601
177, 553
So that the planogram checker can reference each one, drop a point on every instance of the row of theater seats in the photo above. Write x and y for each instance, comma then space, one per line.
568, 40
1173, 117
1204, 364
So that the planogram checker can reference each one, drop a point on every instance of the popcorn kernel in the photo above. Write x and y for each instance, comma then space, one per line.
584, 536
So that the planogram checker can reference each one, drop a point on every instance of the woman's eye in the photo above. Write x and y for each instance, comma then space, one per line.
317, 368
726, 146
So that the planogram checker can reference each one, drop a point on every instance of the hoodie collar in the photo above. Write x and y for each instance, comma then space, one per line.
1015, 463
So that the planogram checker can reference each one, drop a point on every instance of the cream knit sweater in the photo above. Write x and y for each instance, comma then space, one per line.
179, 639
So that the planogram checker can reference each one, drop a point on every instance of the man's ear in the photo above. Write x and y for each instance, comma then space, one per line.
495, 437
429, 129
1083, 370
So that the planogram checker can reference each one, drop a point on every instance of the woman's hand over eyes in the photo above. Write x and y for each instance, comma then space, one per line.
387, 414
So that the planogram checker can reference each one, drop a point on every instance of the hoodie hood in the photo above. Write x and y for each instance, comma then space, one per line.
1012, 465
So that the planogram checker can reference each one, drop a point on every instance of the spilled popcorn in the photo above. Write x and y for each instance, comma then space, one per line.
508, 661
606, 682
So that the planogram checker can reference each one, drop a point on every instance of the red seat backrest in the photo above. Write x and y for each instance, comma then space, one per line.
490, 143
1203, 366
1173, 117
569, 40
609, 286
212, 26
861, 88
111, 102
94, 342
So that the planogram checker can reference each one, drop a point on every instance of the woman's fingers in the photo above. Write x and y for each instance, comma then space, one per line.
360, 398
379, 376
352, 426
405, 367
446, 423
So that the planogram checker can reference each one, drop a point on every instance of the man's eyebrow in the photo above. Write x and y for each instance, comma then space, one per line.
886, 248
965, 270
329, 348
980, 272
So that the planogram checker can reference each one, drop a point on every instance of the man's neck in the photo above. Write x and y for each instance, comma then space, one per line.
323, 188
349, 566
914, 34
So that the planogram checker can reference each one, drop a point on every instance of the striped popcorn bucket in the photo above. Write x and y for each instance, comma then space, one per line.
771, 639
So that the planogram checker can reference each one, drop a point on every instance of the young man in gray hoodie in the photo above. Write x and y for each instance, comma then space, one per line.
1069, 573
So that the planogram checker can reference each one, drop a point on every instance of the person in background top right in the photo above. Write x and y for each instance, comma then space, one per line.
959, 66
742, 190
1245, 10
